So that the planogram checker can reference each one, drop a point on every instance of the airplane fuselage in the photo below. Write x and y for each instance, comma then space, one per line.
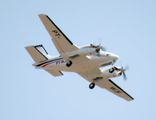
58, 63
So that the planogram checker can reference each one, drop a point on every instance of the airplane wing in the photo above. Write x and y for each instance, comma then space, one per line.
60, 40
109, 85
114, 88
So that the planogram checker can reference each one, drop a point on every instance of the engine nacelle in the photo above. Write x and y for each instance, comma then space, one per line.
111, 72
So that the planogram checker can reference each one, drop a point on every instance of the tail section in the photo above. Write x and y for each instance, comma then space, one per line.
38, 53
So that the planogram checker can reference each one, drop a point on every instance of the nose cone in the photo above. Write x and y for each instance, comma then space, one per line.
115, 57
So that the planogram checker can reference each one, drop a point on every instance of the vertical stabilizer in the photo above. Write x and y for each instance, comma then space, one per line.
38, 53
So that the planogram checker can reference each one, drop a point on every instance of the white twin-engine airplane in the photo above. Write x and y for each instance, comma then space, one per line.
85, 60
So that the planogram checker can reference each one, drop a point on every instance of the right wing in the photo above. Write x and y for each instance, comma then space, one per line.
114, 88
109, 85
61, 41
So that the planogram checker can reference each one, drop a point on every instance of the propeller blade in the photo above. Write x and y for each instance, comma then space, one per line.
123, 71
124, 76
100, 40
98, 47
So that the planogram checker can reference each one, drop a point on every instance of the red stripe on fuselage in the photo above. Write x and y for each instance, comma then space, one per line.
52, 62
63, 59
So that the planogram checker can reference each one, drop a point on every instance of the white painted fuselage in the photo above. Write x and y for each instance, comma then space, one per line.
93, 61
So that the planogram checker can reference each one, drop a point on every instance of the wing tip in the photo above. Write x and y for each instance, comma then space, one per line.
130, 99
129, 96
43, 15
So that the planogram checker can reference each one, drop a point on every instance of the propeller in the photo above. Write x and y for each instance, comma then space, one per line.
100, 40
123, 71
98, 47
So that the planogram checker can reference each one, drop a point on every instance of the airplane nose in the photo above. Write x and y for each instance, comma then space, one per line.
116, 57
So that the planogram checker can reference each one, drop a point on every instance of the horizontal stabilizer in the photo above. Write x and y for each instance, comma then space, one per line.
54, 72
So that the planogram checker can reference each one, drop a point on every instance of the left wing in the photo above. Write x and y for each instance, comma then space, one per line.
109, 85
114, 88
60, 40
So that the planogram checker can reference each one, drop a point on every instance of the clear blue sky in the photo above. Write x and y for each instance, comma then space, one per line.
128, 29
